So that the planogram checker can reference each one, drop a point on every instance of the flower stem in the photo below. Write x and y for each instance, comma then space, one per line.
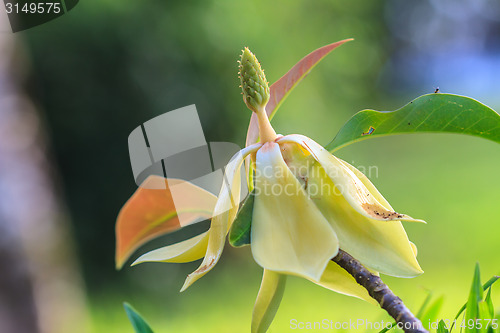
266, 131
379, 291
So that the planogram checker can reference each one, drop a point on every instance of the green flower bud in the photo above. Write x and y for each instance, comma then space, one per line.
253, 81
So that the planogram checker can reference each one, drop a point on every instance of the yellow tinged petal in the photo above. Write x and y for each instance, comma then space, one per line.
414, 248
348, 183
383, 247
189, 250
393, 233
154, 210
224, 214
289, 234
268, 300
337, 279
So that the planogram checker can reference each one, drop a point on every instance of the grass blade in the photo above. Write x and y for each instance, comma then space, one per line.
139, 324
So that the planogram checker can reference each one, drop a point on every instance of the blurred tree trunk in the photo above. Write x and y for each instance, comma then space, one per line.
40, 286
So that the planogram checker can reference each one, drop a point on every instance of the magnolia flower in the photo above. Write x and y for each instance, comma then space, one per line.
307, 204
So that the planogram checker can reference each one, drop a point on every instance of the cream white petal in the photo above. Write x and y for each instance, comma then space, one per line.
268, 300
380, 246
289, 234
189, 250
337, 279
224, 214
392, 253
347, 182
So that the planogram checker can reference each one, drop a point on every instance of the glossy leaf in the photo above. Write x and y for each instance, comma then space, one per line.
239, 235
281, 88
436, 113
139, 324
152, 212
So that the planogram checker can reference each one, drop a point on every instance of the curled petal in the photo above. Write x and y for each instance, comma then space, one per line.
268, 300
348, 183
189, 250
224, 214
414, 249
289, 234
153, 211
395, 254
383, 247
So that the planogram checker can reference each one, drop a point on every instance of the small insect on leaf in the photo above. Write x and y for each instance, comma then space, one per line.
370, 131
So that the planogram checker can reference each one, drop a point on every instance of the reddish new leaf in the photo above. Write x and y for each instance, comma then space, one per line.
159, 206
281, 88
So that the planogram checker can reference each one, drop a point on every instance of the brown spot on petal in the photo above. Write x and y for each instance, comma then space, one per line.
379, 212
204, 268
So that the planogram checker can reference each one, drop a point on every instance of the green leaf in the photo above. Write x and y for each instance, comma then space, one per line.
423, 307
489, 302
487, 285
388, 328
436, 113
431, 314
442, 327
475, 296
139, 324
239, 235
483, 314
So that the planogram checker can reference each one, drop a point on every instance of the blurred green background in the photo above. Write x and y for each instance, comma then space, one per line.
107, 66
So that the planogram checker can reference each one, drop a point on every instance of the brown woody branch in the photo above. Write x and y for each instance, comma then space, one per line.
379, 291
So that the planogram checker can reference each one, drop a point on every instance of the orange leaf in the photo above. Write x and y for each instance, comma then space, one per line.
153, 211
281, 88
